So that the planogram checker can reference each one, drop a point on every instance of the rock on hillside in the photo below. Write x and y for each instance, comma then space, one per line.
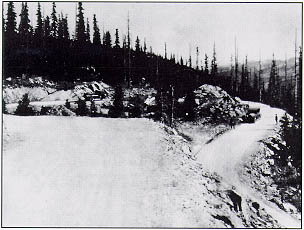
46, 91
216, 103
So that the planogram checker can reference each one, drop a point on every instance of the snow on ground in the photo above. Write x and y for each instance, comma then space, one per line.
92, 172
227, 154
200, 133
43, 96
12, 94
79, 91
80, 171
215, 102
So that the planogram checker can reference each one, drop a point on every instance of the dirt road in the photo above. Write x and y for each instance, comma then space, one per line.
226, 154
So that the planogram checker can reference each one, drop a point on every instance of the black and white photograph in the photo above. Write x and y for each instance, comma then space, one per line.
159, 114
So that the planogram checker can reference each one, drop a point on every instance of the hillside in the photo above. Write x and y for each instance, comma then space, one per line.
114, 172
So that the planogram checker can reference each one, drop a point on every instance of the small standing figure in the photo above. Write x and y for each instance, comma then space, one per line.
231, 123
67, 104
276, 119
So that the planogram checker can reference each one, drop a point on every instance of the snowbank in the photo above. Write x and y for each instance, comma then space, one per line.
48, 95
14, 94
216, 103
111, 173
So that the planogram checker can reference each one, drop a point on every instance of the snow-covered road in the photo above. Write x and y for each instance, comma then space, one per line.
226, 154
79, 171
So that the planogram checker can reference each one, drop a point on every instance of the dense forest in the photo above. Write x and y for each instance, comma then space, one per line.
49, 50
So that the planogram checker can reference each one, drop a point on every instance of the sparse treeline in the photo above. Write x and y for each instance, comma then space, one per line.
50, 50
277, 88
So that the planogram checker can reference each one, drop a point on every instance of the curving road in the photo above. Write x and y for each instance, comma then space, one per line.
226, 154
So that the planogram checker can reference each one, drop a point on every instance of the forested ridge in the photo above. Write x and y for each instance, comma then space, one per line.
49, 49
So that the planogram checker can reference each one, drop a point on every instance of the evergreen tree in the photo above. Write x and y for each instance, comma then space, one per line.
107, 40
181, 61
232, 91
54, 24
10, 21
117, 109
96, 33
60, 27
242, 85
80, 27
260, 79
66, 34
24, 26
272, 83
137, 45
82, 109
213, 66
116, 39
145, 46
256, 86
46, 27
88, 35
63, 30
23, 108
39, 26
206, 70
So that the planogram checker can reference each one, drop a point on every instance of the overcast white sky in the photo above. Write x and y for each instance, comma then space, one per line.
264, 28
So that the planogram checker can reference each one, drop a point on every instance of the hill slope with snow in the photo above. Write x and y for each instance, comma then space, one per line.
101, 172
79, 171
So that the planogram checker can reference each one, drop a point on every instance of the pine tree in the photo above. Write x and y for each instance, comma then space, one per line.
23, 108
137, 45
117, 109
60, 27
145, 46
80, 27
272, 83
242, 85
117, 45
66, 34
39, 26
206, 70
88, 34
181, 61
24, 26
54, 24
96, 33
10, 21
256, 85
213, 65
231, 75
82, 109
46, 27
107, 39
260, 80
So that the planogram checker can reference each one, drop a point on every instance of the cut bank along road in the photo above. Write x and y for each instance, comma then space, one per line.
227, 153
